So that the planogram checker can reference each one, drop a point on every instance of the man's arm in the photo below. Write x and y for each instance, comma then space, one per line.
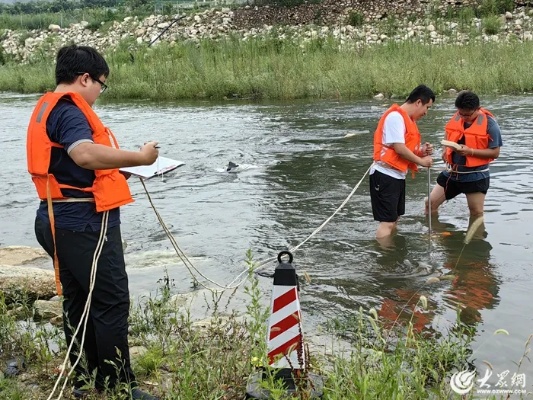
479, 153
495, 142
96, 156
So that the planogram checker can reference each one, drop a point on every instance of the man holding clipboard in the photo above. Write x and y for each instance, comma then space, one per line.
473, 140
74, 162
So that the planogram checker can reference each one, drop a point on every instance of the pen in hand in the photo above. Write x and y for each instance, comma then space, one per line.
156, 146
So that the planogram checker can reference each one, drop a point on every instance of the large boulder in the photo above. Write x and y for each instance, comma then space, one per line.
18, 255
19, 282
20, 279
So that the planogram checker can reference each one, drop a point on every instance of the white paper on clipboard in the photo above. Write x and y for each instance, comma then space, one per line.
160, 167
453, 145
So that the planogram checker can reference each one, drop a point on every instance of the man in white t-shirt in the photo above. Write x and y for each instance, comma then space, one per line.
397, 149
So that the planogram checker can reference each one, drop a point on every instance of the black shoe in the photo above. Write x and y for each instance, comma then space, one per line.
138, 394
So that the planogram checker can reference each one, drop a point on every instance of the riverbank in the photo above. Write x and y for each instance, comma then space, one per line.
175, 356
219, 54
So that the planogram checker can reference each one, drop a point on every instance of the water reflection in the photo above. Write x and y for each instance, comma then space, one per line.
475, 286
403, 285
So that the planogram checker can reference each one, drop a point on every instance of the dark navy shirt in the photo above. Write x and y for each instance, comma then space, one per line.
68, 126
495, 140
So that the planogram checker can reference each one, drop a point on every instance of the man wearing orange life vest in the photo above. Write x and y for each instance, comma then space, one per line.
478, 133
74, 160
397, 149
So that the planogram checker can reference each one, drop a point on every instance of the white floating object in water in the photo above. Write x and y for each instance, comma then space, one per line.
498, 331
473, 229
424, 300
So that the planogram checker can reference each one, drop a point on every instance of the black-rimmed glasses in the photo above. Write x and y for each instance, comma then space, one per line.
103, 86
464, 115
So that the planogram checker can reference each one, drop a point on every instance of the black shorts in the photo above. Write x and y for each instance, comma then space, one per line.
387, 195
453, 188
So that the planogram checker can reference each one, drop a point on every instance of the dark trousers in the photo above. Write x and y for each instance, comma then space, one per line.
106, 337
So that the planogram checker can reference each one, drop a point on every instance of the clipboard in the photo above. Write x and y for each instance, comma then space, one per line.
449, 143
160, 167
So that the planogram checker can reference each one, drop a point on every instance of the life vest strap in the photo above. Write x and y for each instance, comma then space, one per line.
453, 169
51, 217
74, 200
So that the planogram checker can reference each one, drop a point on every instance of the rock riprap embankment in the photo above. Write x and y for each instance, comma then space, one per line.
378, 23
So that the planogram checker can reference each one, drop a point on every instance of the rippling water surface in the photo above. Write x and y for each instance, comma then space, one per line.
297, 167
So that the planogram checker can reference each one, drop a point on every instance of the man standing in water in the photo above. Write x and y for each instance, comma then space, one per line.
73, 160
397, 149
478, 135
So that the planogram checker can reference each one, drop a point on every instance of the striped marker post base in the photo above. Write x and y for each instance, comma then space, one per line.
286, 353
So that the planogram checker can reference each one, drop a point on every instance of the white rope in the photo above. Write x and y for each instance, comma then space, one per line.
295, 248
232, 285
429, 207
188, 264
85, 314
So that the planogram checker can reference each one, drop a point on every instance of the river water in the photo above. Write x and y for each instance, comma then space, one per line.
297, 165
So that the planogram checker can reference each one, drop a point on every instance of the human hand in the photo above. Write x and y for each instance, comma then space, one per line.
426, 161
427, 149
149, 152
465, 151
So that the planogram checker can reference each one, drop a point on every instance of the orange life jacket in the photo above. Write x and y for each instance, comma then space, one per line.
476, 137
412, 142
110, 189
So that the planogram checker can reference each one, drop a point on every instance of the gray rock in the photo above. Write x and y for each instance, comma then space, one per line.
45, 309
18, 255
14, 366
26, 282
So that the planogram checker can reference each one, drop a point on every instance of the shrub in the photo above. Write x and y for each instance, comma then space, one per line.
466, 14
355, 18
491, 7
492, 25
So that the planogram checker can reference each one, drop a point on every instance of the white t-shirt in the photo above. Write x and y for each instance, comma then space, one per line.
393, 132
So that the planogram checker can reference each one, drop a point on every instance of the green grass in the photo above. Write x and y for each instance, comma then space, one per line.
213, 360
274, 69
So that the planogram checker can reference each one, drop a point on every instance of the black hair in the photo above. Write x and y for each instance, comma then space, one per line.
73, 60
421, 92
467, 100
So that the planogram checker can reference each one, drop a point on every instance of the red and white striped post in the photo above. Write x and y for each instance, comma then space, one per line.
285, 338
